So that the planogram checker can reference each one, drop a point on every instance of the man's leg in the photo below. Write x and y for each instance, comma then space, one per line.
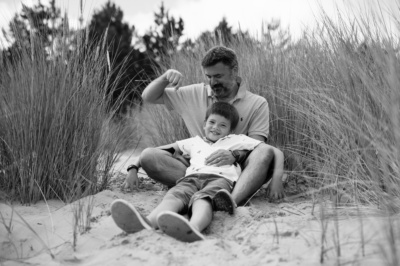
254, 174
161, 166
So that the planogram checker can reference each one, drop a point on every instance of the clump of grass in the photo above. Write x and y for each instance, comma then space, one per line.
52, 114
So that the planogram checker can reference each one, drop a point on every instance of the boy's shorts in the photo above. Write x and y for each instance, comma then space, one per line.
198, 186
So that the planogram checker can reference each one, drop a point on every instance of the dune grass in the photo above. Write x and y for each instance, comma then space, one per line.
334, 107
54, 127
334, 102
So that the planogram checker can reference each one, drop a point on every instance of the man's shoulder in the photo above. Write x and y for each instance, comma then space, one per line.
255, 97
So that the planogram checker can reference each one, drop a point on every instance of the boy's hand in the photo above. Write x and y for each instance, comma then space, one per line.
220, 158
173, 77
131, 180
275, 189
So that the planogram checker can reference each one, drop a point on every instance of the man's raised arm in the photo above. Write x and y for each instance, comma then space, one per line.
153, 93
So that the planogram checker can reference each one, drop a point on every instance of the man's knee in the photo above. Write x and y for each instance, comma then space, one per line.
263, 154
149, 156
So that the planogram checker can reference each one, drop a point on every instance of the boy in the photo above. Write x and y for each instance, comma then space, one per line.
194, 193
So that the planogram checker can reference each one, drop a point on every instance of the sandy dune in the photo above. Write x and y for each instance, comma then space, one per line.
289, 232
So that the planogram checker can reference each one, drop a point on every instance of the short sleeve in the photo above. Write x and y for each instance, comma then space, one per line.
182, 98
259, 124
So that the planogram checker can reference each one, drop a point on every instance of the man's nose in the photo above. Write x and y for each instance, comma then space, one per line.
213, 81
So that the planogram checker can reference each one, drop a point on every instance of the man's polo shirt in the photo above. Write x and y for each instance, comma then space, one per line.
191, 103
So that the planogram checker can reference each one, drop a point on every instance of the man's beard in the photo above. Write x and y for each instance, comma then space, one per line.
219, 89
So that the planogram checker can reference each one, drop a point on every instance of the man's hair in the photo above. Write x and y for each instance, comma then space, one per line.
226, 110
221, 54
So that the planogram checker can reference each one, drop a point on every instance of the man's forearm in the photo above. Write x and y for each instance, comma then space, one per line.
154, 91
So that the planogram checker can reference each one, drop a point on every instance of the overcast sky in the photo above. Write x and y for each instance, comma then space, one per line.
202, 15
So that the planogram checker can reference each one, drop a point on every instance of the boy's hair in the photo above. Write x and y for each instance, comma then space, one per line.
221, 54
226, 110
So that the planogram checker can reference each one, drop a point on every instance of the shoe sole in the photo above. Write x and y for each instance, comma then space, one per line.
176, 226
223, 201
127, 217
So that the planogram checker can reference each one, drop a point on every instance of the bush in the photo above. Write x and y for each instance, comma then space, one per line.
52, 112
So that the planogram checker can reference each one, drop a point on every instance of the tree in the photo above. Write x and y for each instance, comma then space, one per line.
130, 67
164, 38
222, 34
44, 21
276, 38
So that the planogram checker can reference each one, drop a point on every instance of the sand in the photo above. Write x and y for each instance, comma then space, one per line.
288, 232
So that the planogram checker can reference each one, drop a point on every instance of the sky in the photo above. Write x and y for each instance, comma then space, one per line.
202, 15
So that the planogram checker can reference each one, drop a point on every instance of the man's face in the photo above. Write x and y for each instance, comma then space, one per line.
216, 127
222, 81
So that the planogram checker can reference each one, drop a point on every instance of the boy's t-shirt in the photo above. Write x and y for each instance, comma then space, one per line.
198, 149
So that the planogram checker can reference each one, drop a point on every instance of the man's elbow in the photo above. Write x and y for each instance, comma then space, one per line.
145, 97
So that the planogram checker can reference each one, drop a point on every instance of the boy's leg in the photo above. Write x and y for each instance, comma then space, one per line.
176, 199
169, 203
254, 174
201, 214
162, 166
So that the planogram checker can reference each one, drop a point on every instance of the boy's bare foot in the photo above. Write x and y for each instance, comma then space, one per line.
127, 217
178, 227
223, 201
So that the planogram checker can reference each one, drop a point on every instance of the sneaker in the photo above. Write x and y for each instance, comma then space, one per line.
223, 201
128, 218
178, 227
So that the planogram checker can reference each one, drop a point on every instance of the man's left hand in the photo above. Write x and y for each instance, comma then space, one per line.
220, 158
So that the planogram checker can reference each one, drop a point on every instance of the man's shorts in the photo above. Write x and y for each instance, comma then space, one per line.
198, 186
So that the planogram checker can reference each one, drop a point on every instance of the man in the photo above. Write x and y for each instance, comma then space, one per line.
220, 66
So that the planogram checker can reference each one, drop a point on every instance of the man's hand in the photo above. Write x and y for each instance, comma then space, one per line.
220, 158
131, 180
275, 189
173, 77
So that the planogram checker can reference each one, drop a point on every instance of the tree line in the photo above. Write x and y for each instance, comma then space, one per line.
134, 60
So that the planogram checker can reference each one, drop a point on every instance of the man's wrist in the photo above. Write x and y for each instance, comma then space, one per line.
132, 166
240, 155
236, 155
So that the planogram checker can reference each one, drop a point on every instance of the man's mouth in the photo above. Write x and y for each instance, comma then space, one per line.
218, 88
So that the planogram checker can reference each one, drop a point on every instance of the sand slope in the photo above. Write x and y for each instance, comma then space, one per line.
265, 233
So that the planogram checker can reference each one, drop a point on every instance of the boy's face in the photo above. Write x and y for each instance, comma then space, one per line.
216, 127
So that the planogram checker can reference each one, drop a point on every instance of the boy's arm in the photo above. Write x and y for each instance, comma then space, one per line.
153, 93
226, 157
